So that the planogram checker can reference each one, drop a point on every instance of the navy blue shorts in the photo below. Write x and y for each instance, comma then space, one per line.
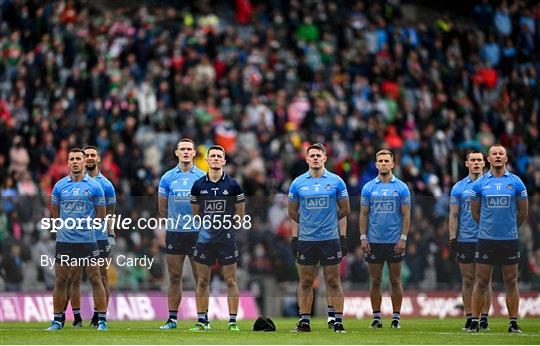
466, 252
75, 250
497, 252
180, 243
207, 253
381, 252
103, 246
325, 252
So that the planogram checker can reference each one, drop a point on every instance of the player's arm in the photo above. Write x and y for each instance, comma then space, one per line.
194, 200
163, 194
101, 211
55, 202
453, 225
240, 209
475, 210
342, 226
164, 207
363, 222
110, 210
405, 226
523, 211
293, 211
344, 208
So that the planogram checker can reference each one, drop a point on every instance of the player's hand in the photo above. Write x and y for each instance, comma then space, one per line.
294, 246
344, 245
111, 243
399, 249
453, 244
364, 245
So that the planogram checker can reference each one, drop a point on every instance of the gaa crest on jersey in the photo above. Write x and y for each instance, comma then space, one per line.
509, 187
328, 187
395, 194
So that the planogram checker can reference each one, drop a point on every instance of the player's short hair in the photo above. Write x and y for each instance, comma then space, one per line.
384, 152
76, 150
317, 146
215, 147
498, 146
91, 147
185, 140
473, 152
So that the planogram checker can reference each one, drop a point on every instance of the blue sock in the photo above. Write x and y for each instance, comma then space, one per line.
377, 314
206, 316
201, 317
102, 316
173, 315
305, 318
232, 318
339, 317
484, 317
63, 316
76, 313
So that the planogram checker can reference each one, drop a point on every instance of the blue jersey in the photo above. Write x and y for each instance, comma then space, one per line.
461, 196
77, 201
498, 211
176, 186
384, 201
317, 198
217, 200
110, 199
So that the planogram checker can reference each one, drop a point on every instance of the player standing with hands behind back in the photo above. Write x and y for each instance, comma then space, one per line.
499, 204
463, 232
385, 219
318, 199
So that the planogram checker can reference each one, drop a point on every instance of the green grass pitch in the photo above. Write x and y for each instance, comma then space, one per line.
413, 331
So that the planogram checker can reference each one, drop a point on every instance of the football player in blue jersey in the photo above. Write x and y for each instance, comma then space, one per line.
463, 232
318, 199
105, 239
499, 204
385, 218
78, 200
218, 205
181, 237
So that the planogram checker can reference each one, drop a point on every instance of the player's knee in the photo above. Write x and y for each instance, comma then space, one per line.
61, 282
375, 281
395, 281
510, 281
333, 282
230, 281
104, 280
482, 283
174, 279
468, 281
306, 283
95, 279
202, 282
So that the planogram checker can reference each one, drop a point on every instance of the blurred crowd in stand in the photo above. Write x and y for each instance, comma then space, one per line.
264, 79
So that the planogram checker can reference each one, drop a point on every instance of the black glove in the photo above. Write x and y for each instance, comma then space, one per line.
294, 246
453, 244
344, 245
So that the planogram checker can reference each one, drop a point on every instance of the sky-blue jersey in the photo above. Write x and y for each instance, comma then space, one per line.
498, 211
77, 201
176, 186
217, 201
110, 199
461, 196
318, 208
384, 201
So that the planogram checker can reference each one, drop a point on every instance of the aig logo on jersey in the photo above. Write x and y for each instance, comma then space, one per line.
498, 201
74, 206
317, 202
214, 206
383, 207
181, 195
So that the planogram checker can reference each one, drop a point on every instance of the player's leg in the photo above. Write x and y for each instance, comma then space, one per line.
305, 296
74, 293
195, 278
175, 264
229, 274
334, 289
100, 302
510, 278
375, 294
62, 273
467, 285
330, 310
481, 285
202, 295
394, 269
484, 311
